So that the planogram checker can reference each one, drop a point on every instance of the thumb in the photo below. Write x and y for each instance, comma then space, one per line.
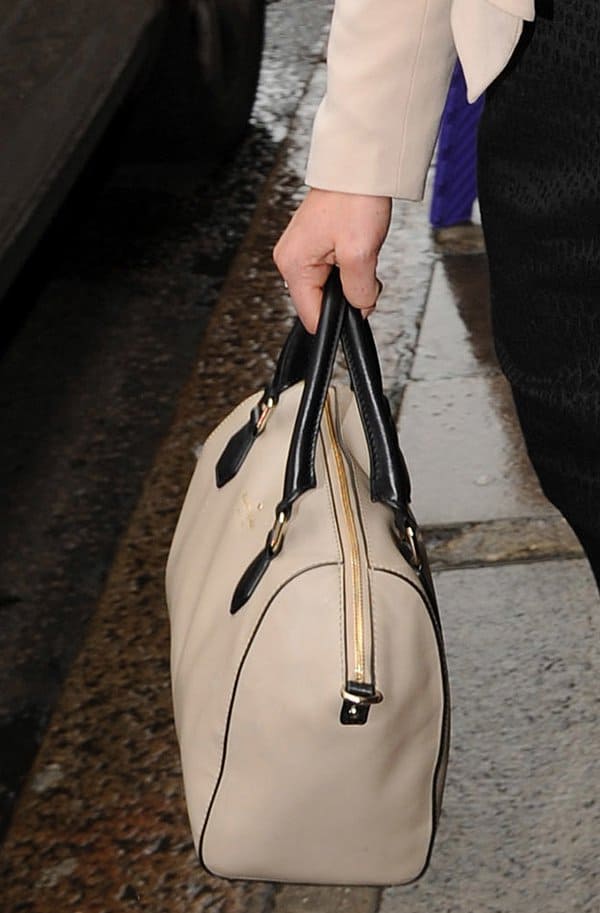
359, 280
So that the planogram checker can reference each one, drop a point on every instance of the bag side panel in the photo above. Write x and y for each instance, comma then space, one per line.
219, 533
303, 798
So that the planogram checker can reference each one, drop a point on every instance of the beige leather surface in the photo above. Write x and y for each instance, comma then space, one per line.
297, 795
304, 798
219, 532
389, 65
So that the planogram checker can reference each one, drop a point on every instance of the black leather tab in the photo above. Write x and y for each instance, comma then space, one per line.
354, 714
236, 450
290, 369
360, 689
250, 579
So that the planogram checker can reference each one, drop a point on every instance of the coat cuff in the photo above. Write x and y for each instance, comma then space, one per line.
389, 67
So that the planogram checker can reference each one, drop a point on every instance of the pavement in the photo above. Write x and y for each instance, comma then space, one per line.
101, 824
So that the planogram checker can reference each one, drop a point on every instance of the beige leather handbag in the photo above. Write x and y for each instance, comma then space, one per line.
309, 680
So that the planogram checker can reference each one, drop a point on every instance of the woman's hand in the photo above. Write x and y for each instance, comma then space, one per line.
329, 227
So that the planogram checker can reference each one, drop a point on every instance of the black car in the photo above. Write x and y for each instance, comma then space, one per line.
188, 70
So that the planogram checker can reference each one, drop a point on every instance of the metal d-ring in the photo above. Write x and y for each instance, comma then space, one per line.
277, 534
411, 538
266, 409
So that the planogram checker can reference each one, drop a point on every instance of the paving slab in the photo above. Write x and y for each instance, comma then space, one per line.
318, 899
520, 830
455, 338
465, 452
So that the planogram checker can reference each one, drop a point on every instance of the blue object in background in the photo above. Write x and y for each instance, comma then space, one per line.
455, 185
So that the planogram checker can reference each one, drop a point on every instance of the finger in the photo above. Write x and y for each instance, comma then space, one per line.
366, 312
306, 291
359, 281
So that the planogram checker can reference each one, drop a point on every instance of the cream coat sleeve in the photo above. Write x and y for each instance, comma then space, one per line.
389, 67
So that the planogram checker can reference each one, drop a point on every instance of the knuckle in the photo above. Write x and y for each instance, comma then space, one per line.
356, 256
278, 256
283, 259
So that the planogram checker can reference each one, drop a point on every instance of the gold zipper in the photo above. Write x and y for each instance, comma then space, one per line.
357, 588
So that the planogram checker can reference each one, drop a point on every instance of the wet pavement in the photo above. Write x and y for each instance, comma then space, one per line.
101, 825
109, 315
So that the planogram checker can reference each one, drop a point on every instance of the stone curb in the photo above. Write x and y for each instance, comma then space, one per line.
500, 542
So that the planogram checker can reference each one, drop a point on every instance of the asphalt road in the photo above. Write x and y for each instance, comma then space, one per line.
105, 323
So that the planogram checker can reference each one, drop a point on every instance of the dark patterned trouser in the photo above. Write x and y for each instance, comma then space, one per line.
539, 189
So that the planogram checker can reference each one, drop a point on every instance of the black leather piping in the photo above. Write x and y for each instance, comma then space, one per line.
445, 727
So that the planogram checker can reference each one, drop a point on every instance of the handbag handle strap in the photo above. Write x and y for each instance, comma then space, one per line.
390, 481
389, 476
300, 473
290, 369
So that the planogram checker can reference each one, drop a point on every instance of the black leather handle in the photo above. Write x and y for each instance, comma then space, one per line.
390, 482
389, 476
311, 358
291, 364
300, 468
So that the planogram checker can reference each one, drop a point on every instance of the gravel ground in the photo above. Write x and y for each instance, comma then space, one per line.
106, 323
